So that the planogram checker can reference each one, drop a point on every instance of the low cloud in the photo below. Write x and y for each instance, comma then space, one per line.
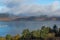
28, 7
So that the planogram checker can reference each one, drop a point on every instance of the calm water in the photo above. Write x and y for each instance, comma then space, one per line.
16, 27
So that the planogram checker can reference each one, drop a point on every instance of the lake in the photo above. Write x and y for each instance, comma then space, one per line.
16, 27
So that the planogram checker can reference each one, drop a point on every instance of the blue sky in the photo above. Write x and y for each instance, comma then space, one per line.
43, 2
30, 7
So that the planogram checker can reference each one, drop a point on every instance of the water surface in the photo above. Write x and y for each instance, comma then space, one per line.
16, 27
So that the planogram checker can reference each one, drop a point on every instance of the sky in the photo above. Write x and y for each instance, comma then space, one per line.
30, 7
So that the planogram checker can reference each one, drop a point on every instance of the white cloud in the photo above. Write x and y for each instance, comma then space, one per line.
55, 5
37, 9
21, 6
4, 9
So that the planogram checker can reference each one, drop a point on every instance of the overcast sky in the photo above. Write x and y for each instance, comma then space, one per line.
30, 7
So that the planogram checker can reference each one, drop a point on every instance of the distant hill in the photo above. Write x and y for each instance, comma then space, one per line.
41, 18
7, 17
3, 15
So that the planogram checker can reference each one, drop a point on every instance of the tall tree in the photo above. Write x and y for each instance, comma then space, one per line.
59, 33
17, 37
26, 33
55, 30
36, 33
8, 37
44, 32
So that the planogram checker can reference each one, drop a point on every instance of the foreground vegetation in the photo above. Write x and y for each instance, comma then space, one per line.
41, 34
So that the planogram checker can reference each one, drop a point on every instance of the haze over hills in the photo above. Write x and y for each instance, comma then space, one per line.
11, 17
6, 17
41, 18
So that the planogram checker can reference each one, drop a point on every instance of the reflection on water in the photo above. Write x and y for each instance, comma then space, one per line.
16, 27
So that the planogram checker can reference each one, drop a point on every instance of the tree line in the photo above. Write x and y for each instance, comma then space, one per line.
40, 34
